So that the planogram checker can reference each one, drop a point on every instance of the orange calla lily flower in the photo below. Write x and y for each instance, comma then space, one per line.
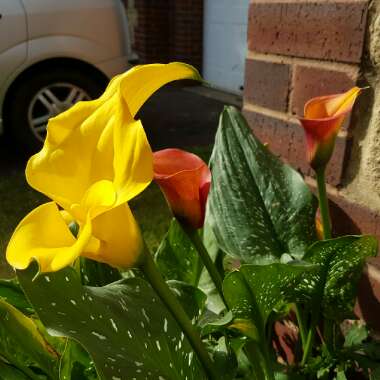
185, 180
324, 115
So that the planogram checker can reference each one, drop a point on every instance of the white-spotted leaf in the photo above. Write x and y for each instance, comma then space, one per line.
124, 326
261, 207
341, 264
253, 292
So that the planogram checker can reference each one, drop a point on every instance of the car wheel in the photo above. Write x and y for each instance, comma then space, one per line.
43, 95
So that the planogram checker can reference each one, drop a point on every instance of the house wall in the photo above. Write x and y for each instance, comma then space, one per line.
298, 49
301, 49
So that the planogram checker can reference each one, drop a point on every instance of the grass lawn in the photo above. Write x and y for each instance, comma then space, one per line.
17, 199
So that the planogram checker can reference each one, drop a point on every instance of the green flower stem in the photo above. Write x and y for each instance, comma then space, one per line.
310, 337
255, 358
159, 285
328, 333
205, 257
259, 360
323, 203
267, 367
326, 224
328, 326
301, 325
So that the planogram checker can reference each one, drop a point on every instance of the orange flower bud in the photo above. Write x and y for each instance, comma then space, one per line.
324, 115
185, 180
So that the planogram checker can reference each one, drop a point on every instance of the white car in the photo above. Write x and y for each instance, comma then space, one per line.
54, 53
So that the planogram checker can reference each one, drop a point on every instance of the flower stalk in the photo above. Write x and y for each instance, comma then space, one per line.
323, 203
259, 357
159, 285
328, 325
206, 259
326, 227
301, 325
323, 118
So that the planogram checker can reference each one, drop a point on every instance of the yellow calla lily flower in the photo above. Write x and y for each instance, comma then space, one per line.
95, 158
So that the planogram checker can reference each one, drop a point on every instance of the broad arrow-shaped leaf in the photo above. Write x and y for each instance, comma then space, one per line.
124, 326
341, 264
261, 207
254, 291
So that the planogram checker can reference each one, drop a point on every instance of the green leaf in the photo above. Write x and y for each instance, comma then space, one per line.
211, 322
285, 376
22, 344
124, 326
224, 359
94, 273
8, 372
261, 208
192, 299
357, 334
176, 257
341, 264
253, 292
341, 376
372, 349
178, 260
375, 374
76, 363
245, 369
214, 301
11, 292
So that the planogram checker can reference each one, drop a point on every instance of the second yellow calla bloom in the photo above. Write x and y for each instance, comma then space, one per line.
96, 158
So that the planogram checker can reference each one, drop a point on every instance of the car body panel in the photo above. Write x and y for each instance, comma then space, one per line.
13, 32
88, 20
91, 31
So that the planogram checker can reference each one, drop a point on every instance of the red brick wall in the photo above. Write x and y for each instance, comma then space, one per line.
187, 31
299, 49
153, 31
169, 30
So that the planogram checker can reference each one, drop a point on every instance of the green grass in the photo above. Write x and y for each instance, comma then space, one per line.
17, 199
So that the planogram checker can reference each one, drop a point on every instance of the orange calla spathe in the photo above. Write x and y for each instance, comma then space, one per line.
324, 115
185, 180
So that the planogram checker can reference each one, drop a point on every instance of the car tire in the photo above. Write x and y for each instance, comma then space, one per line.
25, 108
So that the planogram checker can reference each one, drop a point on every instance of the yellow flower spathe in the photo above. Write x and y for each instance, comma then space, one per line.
95, 158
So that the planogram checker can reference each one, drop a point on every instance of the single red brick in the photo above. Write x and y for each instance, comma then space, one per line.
267, 84
309, 82
286, 139
330, 30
